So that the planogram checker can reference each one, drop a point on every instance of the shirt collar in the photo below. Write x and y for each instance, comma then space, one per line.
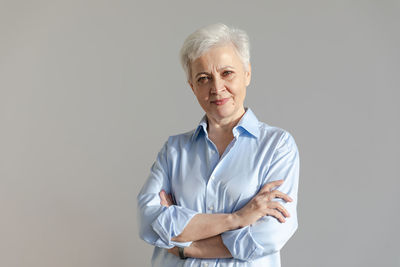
248, 123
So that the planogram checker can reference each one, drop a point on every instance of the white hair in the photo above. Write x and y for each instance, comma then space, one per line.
210, 36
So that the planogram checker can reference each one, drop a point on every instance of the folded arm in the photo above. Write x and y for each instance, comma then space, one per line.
268, 235
171, 225
210, 248
158, 224
203, 226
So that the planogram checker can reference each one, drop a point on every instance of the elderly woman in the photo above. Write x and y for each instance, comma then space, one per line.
225, 193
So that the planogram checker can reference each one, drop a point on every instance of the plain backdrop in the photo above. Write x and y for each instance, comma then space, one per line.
90, 90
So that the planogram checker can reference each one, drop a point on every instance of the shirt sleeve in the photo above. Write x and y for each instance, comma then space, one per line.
268, 235
158, 224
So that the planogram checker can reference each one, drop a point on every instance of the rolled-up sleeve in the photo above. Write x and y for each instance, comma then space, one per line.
268, 235
159, 224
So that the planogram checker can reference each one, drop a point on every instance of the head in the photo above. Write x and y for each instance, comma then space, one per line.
216, 61
210, 36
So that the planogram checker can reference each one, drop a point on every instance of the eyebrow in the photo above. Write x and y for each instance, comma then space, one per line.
221, 68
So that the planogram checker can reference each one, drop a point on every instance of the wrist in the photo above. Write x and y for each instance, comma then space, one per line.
190, 251
234, 221
182, 253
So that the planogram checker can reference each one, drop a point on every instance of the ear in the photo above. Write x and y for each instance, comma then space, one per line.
191, 85
248, 76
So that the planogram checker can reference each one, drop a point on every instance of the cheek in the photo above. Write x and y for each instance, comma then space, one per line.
239, 91
202, 99
237, 85
201, 94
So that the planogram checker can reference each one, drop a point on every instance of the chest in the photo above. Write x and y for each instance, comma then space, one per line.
204, 181
221, 142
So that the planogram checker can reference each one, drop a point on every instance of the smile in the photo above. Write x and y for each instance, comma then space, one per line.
220, 101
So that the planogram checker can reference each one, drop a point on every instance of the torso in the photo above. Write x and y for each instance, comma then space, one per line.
221, 142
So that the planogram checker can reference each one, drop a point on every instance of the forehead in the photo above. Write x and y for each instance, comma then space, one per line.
217, 57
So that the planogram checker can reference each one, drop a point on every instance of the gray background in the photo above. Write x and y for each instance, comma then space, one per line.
90, 90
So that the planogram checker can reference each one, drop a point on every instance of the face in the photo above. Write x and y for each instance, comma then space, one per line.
219, 82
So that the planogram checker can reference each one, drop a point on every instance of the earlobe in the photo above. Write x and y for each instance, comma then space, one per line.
248, 76
191, 85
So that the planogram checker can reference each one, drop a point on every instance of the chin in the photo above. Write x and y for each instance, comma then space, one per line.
225, 111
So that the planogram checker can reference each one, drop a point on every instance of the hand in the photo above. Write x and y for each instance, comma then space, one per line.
166, 199
262, 204
174, 251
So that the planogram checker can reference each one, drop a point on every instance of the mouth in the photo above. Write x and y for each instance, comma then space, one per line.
220, 102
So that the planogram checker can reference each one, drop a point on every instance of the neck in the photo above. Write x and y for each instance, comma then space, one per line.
225, 125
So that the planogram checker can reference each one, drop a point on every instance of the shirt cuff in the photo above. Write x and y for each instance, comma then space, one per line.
241, 244
170, 223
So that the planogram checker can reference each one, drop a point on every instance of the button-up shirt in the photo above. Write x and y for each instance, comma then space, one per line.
189, 167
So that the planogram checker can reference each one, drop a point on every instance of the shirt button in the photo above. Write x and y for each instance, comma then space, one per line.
205, 264
211, 208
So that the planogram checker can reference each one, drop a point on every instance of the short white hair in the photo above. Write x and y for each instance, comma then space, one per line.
205, 38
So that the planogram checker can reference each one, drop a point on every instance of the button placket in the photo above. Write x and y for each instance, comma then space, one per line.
210, 201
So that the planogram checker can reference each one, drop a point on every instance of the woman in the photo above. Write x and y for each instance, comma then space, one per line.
225, 193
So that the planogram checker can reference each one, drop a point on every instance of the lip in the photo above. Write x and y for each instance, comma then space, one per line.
220, 102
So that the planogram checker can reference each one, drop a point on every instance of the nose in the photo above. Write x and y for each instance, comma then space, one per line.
217, 85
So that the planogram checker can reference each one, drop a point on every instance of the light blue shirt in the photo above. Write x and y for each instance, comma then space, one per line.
191, 169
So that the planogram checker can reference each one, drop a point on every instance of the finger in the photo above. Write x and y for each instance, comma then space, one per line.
279, 194
163, 198
267, 187
162, 194
277, 215
174, 251
169, 199
280, 208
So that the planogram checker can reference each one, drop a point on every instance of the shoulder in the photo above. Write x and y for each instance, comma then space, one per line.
180, 140
276, 136
173, 145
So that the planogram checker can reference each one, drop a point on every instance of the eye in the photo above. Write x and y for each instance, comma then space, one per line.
227, 72
202, 79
